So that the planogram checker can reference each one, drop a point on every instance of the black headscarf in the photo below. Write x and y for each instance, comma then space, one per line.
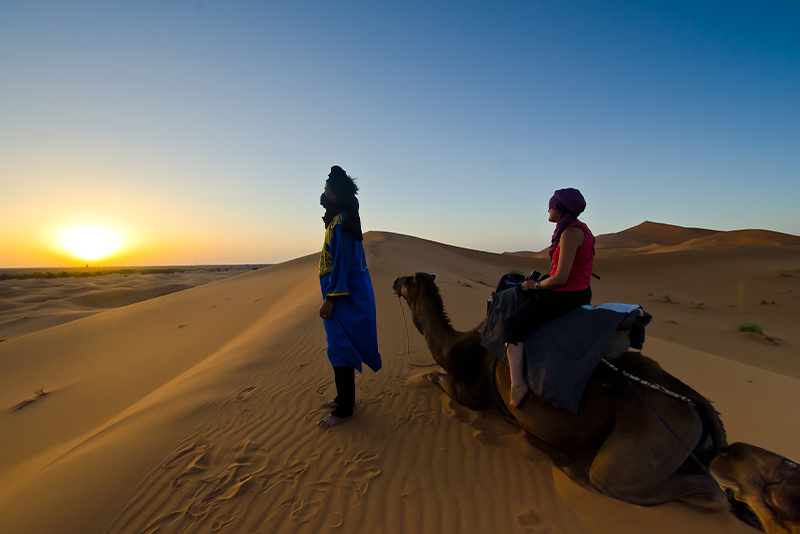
345, 189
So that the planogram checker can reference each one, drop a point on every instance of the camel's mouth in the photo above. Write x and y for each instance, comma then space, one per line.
397, 287
743, 511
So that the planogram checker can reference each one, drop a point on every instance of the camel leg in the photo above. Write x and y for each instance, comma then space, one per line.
638, 465
699, 490
462, 394
445, 382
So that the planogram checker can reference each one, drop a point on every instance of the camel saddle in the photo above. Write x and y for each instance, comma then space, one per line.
561, 354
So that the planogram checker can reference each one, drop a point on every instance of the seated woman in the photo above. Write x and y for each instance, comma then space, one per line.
567, 287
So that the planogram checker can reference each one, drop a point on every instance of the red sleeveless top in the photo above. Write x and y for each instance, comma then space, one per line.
581, 273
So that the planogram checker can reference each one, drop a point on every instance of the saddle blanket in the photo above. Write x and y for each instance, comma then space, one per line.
561, 354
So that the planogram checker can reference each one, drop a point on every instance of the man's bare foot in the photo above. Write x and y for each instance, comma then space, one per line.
330, 404
330, 421
518, 392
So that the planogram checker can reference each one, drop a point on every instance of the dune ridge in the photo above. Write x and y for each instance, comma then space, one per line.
653, 237
650, 237
194, 411
651, 233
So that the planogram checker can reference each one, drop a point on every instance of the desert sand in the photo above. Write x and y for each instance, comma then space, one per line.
194, 411
34, 299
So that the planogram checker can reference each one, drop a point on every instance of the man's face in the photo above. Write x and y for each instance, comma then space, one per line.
329, 194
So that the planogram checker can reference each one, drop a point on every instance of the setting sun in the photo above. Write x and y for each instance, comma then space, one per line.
90, 242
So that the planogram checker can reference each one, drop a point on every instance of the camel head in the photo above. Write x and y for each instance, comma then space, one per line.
767, 482
409, 287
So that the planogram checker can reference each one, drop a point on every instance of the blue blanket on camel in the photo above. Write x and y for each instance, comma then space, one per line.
560, 355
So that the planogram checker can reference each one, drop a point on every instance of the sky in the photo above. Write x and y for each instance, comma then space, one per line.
203, 131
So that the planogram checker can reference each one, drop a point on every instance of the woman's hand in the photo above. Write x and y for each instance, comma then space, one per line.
326, 310
529, 284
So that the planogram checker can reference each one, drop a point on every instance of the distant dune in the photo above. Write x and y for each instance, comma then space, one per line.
652, 237
651, 233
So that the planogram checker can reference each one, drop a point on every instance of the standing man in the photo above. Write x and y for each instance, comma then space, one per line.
348, 308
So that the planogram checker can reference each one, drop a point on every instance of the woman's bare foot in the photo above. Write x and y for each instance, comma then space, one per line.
330, 404
330, 421
518, 392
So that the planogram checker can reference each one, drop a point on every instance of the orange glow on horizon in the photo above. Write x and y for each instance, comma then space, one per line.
104, 241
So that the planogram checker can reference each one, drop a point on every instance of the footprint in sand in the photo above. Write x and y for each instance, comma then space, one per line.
245, 393
287, 474
359, 471
163, 521
212, 480
300, 510
234, 477
452, 409
385, 393
336, 520
352, 480
198, 465
534, 523
223, 521
194, 452
303, 511
417, 414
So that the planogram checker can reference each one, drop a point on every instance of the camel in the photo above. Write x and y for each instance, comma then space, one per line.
767, 482
635, 458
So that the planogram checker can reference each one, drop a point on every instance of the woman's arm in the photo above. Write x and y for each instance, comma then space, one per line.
571, 239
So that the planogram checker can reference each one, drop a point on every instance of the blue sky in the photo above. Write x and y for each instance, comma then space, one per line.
206, 129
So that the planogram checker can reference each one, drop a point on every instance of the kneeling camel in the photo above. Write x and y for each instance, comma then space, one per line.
637, 459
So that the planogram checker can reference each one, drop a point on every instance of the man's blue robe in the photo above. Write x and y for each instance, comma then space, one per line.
352, 332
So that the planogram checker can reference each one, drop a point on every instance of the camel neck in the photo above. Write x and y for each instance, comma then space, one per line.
433, 323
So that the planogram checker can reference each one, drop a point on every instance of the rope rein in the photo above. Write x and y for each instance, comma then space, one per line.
408, 340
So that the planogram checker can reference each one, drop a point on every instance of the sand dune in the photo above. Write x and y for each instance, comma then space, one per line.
734, 239
194, 412
651, 233
650, 237
33, 304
